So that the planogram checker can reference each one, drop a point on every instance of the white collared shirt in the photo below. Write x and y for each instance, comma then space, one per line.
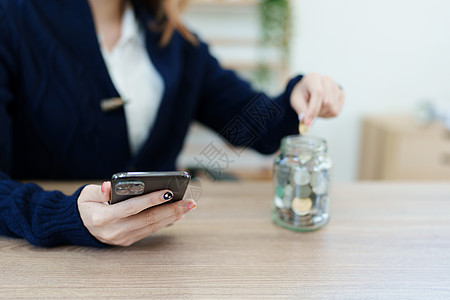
136, 79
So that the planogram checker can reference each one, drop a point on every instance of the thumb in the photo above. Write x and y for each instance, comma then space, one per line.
96, 193
105, 192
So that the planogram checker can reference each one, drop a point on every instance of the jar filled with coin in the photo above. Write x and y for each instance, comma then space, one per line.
302, 178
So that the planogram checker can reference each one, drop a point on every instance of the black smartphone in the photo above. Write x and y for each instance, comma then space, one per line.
125, 185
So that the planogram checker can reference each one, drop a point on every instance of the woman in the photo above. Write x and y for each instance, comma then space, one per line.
66, 66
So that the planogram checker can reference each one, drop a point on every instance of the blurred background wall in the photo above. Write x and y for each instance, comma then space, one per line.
387, 55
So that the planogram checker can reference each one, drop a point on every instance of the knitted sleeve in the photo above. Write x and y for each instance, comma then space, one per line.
243, 116
43, 218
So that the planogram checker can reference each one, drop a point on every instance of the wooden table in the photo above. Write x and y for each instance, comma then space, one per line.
384, 240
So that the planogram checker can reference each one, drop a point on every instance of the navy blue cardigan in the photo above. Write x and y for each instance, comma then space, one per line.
52, 79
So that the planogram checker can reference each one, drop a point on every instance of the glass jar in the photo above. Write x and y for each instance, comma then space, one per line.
301, 176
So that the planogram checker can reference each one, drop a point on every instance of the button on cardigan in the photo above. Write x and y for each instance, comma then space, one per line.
52, 81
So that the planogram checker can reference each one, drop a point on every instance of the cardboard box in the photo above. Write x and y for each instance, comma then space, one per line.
394, 147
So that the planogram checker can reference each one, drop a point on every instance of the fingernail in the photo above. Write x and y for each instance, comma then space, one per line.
192, 205
300, 117
167, 196
309, 121
103, 187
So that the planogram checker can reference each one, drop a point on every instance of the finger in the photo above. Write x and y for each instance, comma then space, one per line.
146, 231
315, 92
337, 103
94, 193
127, 238
137, 204
106, 187
299, 99
315, 103
141, 233
178, 219
330, 97
156, 214
105, 190
325, 112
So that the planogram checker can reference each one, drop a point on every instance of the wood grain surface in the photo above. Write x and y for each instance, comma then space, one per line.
384, 241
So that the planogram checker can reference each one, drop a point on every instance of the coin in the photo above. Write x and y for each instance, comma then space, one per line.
303, 128
278, 202
288, 194
282, 174
288, 191
286, 214
301, 206
319, 183
321, 188
301, 176
303, 191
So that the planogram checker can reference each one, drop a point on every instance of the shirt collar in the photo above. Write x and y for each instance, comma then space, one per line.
130, 27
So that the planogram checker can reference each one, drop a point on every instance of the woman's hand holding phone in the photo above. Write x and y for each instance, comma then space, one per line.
129, 221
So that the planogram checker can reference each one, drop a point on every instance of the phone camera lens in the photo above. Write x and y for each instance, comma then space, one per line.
129, 188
